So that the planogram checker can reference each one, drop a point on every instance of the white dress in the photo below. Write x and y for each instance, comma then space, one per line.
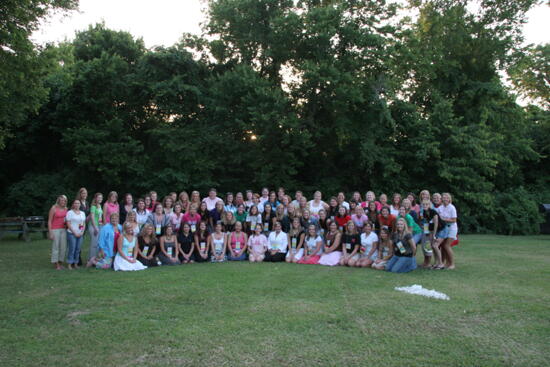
121, 264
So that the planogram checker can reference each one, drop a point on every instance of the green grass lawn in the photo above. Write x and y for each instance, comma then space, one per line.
241, 314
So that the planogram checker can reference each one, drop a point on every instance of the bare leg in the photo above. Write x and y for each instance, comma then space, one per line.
450, 263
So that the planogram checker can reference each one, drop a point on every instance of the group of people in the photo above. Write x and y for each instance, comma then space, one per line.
183, 229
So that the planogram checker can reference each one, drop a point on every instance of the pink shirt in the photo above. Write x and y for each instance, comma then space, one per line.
176, 221
191, 219
58, 219
211, 203
258, 243
111, 208
235, 239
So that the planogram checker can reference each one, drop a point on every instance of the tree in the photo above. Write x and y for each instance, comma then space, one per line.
21, 70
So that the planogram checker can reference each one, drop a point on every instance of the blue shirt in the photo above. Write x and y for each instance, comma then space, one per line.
106, 239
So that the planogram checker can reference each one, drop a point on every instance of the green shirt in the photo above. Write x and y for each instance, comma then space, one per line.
412, 224
97, 213
241, 217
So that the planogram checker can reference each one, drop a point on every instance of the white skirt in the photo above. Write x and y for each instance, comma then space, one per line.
297, 255
121, 264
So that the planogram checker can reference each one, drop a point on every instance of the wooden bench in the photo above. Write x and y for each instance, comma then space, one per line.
23, 226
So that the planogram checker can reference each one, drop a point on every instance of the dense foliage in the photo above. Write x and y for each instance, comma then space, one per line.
329, 95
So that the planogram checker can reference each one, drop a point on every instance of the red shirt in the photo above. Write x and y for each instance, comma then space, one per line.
342, 221
389, 221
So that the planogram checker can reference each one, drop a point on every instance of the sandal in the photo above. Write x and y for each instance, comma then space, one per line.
440, 267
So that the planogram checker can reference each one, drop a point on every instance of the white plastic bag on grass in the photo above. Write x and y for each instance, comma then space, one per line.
418, 289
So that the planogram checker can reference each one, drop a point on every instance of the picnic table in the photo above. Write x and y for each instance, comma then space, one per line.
23, 226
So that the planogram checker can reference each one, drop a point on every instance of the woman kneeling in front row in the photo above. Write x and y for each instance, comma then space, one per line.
404, 249
126, 257
277, 243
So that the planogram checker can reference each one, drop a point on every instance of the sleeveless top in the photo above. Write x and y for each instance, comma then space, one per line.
128, 247
58, 219
218, 243
202, 240
234, 241
311, 243
170, 247
150, 246
111, 208
295, 240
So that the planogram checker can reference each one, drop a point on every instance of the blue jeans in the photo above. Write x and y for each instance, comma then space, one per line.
401, 264
240, 258
417, 238
74, 248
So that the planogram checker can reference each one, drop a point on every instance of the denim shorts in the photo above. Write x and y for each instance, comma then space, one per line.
443, 233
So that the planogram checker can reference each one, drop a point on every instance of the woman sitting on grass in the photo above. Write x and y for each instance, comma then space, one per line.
169, 247
369, 247
404, 249
296, 235
238, 243
313, 247
351, 243
217, 242
187, 244
385, 250
147, 246
333, 249
125, 259
257, 245
277, 244
201, 243
108, 237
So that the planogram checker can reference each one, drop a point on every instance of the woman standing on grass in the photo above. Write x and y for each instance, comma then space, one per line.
201, 243
385, 250
82, 196
430, 224
238, 243
351, 243
447, 213
57, 231
296, 236
187, 244
169, 248
108, 237
313, 247
217, 242
257, 245
158, 219
404, 249
76, 225
333, 249
111, 206
126, 257
126, 207
147, 246
277, 244
369, 247
96, 222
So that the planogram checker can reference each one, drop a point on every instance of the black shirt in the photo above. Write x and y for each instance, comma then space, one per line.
351, 239
402, 242
427, 216
186, 242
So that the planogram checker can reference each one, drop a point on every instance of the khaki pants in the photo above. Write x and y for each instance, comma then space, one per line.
59, 245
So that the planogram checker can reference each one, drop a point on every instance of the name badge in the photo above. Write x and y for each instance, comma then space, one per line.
145, 250
401, 247
341, 228
275, 246
238, 246
362, 250
328, 243
193, 227
158, 229
294, 243
252, 225
130, 252
348, 246
202, 245
218, 247
426, 228
170, 251
266, 226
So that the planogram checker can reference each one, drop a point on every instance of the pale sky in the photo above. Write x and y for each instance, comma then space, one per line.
162, 22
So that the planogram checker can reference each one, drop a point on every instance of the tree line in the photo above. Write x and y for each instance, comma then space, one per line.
312, 94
